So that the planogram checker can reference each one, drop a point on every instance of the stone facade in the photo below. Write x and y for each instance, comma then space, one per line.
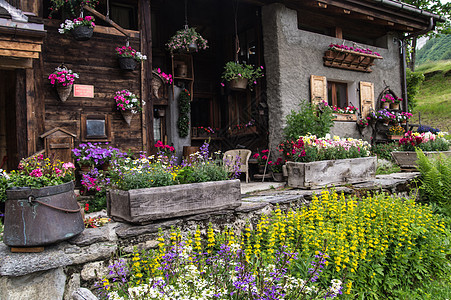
293, 55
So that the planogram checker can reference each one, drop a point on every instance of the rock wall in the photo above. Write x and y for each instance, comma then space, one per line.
293, 55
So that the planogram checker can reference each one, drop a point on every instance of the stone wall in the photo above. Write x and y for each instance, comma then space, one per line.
293, 55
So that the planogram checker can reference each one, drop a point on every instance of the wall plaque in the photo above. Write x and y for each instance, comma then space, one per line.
83, 91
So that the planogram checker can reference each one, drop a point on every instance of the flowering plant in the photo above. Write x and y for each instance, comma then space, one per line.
167, 78
70, 6
185, 37
310, 148
276, 166
4, 177
95, 154
426, 141
337, 47
396, 130
363, 122
94, 222
350, 109
62, 76
382, 114
234, 70
261, 157
165, 149
38, 172
127, 51
208, 129
68, 25
126, 100
403, 116
390, 99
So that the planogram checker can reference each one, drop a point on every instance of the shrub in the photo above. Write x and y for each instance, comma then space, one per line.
435, 180
384, 150
414, 80
308, 120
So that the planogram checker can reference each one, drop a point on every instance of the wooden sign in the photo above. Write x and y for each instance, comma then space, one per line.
83, 91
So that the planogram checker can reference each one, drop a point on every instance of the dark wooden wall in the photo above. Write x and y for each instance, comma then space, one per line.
95, 61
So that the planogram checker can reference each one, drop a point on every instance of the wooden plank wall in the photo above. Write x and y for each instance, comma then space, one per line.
97, 65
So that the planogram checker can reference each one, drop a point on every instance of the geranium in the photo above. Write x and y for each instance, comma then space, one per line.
126, 100
363, 122
276, 166
337, 47
68, 25
127, 51
403, 117
185, 37
234, 70
350, 109
390, 99
165, 149
261, 157
167, 78
62, 76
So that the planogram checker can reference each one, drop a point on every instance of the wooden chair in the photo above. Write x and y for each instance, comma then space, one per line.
244, 154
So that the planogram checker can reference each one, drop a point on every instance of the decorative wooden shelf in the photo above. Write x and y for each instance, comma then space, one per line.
349, 60
345, 117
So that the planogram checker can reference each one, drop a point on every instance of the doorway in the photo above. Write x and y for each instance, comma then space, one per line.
8, 133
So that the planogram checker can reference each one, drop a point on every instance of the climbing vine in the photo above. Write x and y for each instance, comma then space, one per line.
184, 111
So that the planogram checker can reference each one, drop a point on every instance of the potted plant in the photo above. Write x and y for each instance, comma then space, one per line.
316, 162
40, 206
128, 104
432, 145
403, 117
98, 155
63, 79
276, 169
70, 6
262, 159
187, 40
129, 57
395, 132
348, 113
363, 123
383, 115
241, 75
81, 28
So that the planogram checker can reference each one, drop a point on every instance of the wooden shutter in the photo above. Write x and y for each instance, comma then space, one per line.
318, 88
366, 98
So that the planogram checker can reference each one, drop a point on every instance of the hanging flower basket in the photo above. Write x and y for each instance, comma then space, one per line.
82, 33
238, 84
128, 116
128, 104
127, 63
64, 91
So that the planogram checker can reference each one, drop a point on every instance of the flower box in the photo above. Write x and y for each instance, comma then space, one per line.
350, 60
407, 159
345, 117
318, 174
149, 204
395, 137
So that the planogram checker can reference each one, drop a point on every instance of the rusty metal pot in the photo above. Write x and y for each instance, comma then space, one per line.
38, 217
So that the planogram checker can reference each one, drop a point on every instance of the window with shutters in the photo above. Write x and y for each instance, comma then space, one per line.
337, 94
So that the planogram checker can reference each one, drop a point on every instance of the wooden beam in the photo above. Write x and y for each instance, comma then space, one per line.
338, 32
16, 63
17, 53
31, 120
20, 46
106, 19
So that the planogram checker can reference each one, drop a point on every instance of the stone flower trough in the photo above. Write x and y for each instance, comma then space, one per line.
146, 205
323, 173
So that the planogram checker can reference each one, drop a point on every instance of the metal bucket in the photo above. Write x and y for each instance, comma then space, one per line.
38, 217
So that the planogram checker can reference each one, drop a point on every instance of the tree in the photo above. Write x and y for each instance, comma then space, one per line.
434, 6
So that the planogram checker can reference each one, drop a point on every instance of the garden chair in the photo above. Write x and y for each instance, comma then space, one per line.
244, 155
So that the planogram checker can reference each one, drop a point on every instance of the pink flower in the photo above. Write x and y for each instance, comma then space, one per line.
68, 165
36, 173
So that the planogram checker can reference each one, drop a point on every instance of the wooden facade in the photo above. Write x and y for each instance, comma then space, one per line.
29, 105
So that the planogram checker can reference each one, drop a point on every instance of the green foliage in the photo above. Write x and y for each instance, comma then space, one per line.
414, 80
3, 186
98, 201
184, 113
388, 168
308, 120
383, 150
213, 171
155, 175
233, 70
435, 180
438, 48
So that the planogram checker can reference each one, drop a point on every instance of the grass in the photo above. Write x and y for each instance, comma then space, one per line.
434, 98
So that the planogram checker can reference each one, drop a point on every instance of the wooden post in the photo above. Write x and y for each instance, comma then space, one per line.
21, 114
146, 48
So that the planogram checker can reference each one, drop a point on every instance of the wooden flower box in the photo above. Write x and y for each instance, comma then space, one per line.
145, 205
395, 137
407, 159
350, 60
345, 117
318, 174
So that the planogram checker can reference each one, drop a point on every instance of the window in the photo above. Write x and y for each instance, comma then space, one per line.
95, 128
337, 94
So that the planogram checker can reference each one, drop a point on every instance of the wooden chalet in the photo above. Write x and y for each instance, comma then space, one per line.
288, 37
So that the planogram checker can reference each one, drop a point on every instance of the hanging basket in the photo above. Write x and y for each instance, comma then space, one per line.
192, 47
239, 84
82, 33
127, 115
394, 106
127, 63
64, 91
